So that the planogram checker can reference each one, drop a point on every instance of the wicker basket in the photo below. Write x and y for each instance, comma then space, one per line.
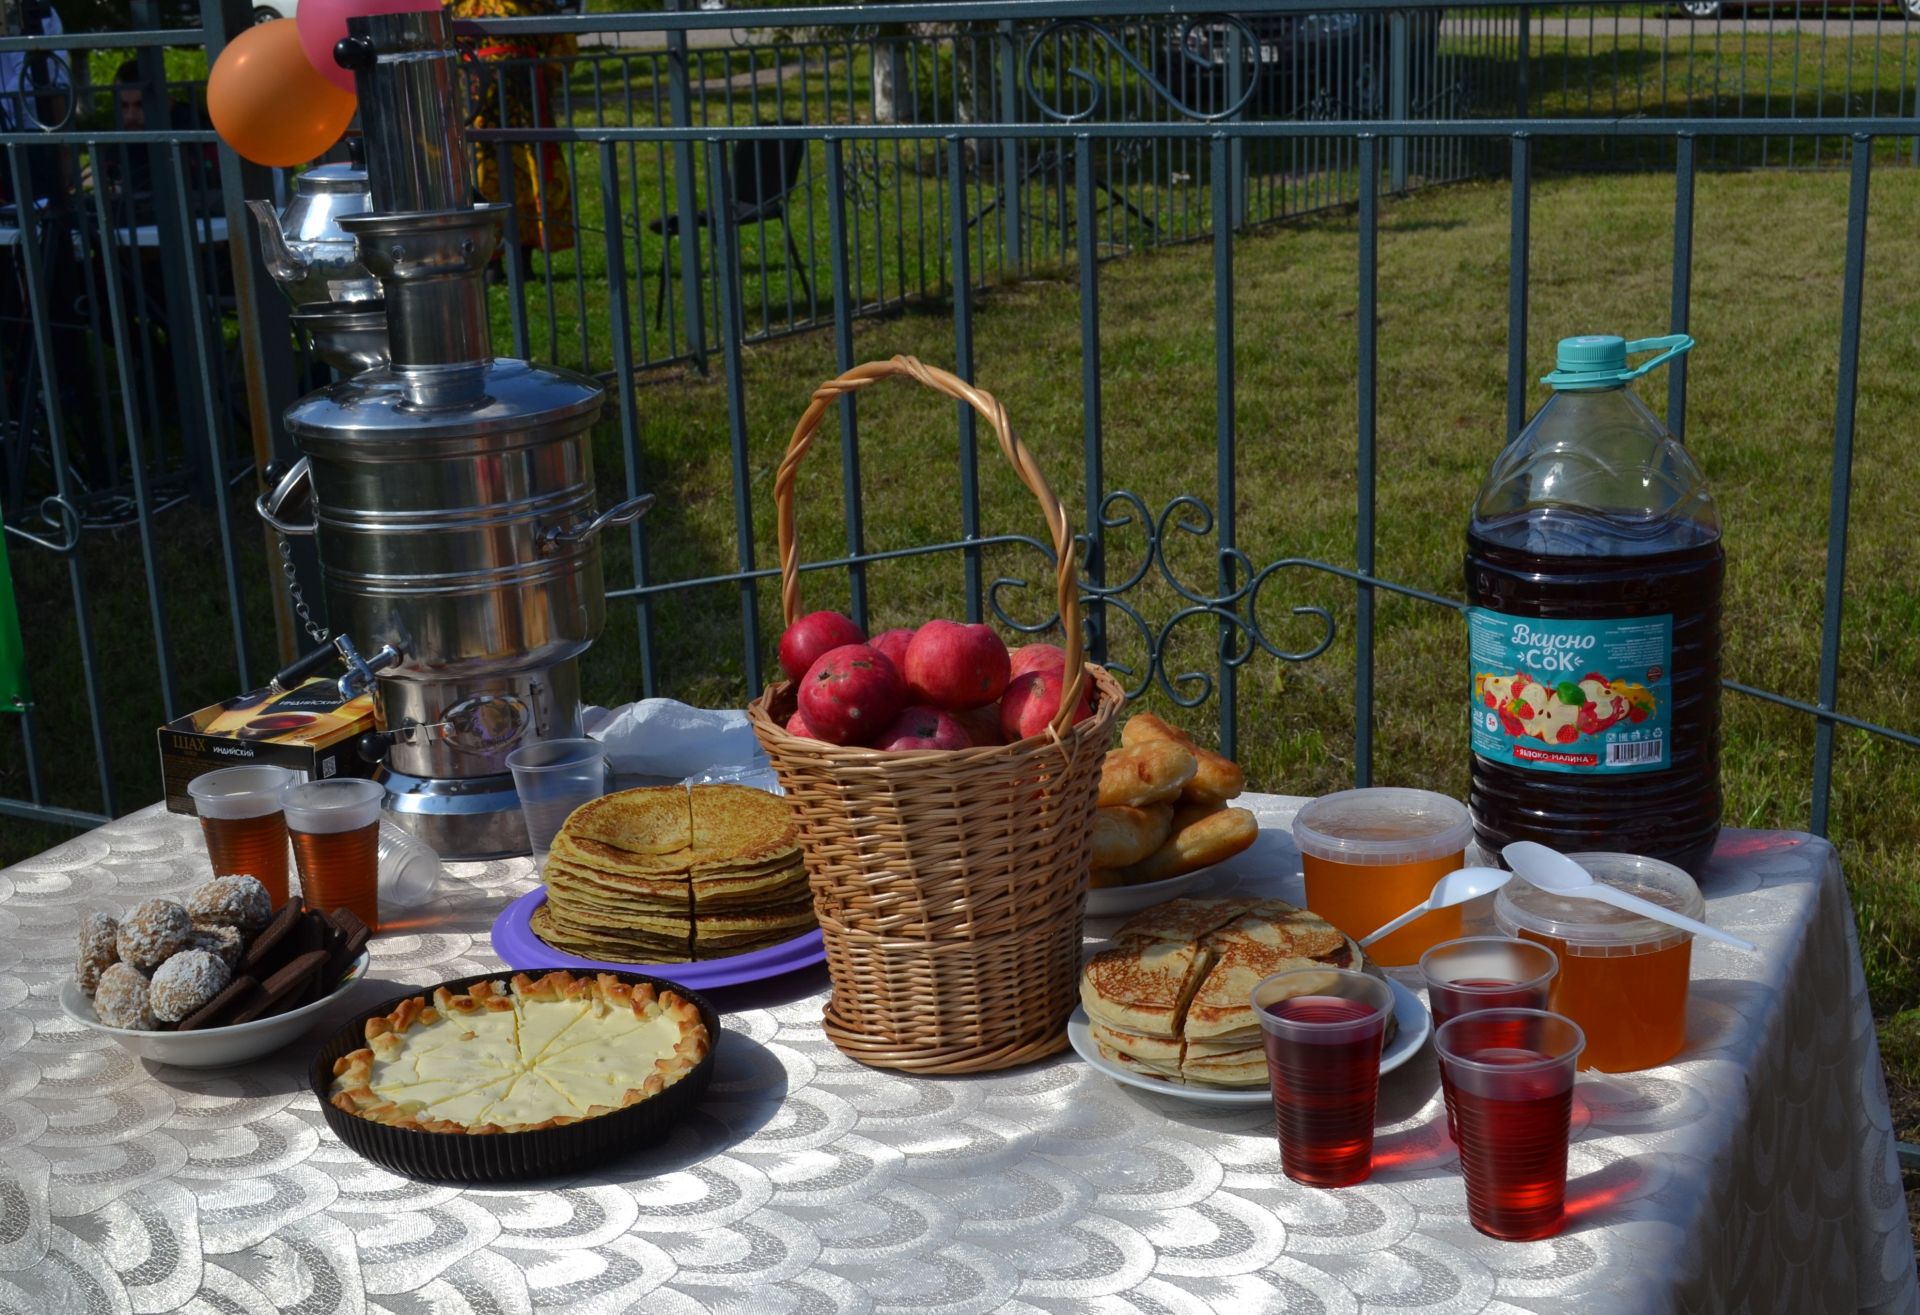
950, 885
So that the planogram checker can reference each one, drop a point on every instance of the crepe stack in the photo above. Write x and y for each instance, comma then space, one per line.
1173, 997
672, 874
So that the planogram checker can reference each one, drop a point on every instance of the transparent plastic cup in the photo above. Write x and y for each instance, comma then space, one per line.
1324, 1029
1511, 1074
246, 830
1370, 855
553, 778
1486, 972
335, 826
409, 869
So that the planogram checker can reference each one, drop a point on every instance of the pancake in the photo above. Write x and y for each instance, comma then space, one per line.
657, 820
673, 874
1148, 1049
738, 827
583, 851
1181, 919
717, 891
1173, 996
1142, 988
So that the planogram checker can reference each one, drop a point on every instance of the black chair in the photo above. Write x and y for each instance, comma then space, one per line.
764, 172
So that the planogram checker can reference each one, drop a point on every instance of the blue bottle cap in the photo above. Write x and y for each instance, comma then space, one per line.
1599, 360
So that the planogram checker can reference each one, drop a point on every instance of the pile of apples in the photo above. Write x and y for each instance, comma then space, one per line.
945, 685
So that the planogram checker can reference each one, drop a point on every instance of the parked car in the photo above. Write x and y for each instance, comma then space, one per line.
265, 11
1328, 66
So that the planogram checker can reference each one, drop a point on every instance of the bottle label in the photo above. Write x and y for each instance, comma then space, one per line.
1571, 696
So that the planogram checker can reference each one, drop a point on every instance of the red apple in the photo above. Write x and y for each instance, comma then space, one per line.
894, 644
955, 666
923, 728
797, 725
982, 725
1037, 657
850, 694
1031, 701
812, 635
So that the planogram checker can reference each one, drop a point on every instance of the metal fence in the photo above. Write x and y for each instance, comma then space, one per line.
872, 158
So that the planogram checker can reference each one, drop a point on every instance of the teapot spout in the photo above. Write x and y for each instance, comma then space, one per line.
280, 260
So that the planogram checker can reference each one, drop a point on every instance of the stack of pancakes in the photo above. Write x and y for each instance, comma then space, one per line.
673, 873
1173, 997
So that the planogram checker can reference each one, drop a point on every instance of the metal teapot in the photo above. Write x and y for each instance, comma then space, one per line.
310, 256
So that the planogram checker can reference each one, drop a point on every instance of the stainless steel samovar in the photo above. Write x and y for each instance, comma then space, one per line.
452, 492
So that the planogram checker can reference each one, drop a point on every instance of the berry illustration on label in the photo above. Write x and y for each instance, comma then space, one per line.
1562, 712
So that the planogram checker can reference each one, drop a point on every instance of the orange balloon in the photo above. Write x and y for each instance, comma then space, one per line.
269, 103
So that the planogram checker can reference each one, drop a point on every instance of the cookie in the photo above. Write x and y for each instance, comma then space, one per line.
120, 1000
185, 983
98, 934
353, 937
153, 933
238, 902
223, 943
266, 945
217, 1011
284, 990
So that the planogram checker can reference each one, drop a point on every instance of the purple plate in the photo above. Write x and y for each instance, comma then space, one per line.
514, 941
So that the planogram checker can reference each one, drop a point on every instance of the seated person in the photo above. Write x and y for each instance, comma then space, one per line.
129, 168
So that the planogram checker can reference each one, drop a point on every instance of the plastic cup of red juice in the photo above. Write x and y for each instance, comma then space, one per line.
1324, 1029
1486, 972
1511, 1074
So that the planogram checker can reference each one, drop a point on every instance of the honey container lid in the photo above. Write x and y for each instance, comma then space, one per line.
1592, 929
1382, 826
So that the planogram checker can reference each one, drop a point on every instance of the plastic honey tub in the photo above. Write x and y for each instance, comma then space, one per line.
1623, 978
1370, 855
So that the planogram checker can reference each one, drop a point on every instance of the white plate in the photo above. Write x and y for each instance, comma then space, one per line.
213, 1047
1118, 901
1410, 1035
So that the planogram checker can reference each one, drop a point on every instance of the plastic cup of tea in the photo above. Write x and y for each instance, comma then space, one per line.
335, 827
553, 778
1511, 1073
1324, 1030
1623, 978
1486, 972
244, 825
409, 869
1370, 855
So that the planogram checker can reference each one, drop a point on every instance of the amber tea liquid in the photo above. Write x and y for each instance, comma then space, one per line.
250, 846
340, 869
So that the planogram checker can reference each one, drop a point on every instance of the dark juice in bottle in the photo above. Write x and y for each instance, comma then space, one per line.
1594, 571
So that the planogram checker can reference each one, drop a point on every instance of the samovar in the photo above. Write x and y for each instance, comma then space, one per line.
452, 492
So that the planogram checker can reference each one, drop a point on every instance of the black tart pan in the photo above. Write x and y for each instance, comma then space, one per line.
509, 1156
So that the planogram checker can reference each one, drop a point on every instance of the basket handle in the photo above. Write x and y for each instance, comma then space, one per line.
1067, 584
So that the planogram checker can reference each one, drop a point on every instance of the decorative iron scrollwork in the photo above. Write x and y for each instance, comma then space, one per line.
1234, 606
1187, 42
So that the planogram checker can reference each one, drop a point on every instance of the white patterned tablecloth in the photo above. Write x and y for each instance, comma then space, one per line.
1758, 1173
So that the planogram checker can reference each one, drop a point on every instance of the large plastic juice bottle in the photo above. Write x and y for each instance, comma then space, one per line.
1593, 572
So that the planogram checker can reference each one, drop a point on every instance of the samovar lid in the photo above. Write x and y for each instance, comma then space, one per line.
369, 418
331, 180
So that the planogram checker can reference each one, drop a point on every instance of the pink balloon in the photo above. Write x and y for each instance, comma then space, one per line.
323, 24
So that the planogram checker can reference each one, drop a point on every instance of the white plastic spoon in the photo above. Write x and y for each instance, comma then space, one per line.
1454, 888
1551, 870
